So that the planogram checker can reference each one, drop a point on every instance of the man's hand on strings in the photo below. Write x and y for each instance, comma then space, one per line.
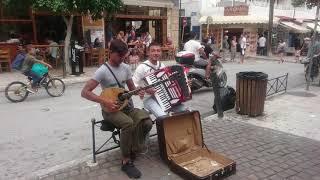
141, 94
151, 91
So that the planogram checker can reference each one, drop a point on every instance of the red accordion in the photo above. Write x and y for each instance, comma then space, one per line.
170, 93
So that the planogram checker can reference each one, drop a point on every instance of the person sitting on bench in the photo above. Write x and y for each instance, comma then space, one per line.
134, 123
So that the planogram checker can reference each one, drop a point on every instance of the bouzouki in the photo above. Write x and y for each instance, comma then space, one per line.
122, 96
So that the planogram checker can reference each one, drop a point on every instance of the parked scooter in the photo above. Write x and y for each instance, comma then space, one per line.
196, 70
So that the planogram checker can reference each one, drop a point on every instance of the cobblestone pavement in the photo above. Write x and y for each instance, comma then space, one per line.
260, 153
58, 129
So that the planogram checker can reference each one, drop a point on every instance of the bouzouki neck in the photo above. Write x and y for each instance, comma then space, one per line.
127, 95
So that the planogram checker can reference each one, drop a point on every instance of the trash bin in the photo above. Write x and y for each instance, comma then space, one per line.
251, 93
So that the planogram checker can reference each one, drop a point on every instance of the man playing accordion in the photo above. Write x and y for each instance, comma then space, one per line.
144, 69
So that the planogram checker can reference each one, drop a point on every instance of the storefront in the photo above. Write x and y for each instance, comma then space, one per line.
231, 26
292, 33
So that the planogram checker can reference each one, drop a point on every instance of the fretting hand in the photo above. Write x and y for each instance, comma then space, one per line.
151, 91
141, 93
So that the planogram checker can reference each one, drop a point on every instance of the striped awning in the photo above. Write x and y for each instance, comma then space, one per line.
236, 20
311, 26
294, 27
150, 3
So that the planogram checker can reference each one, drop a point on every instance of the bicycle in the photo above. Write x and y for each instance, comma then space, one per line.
18, 91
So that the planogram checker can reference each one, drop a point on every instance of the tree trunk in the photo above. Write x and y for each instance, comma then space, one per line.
294, 12
271, 9
69, 22
314, 36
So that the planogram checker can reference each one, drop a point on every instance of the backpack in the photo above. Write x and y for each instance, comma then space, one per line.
228, 98
18, 61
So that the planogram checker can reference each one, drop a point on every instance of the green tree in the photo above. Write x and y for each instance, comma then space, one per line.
70, 8
295, 4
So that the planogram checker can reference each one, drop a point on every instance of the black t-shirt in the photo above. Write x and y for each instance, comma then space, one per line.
207, 50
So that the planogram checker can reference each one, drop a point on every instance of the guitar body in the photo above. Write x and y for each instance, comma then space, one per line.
113, 94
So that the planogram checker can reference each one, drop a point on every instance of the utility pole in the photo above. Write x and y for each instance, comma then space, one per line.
311, 51
271, 9
179, 36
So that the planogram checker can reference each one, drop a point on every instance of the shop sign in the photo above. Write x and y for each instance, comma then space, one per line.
241, 10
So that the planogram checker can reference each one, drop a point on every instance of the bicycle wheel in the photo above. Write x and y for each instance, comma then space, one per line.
16, 91
55, 87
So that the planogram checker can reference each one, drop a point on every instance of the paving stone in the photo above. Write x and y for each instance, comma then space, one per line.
61, 176
260, 153
252, 177
269, 172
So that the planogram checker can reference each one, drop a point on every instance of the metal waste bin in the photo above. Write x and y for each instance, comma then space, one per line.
251, 93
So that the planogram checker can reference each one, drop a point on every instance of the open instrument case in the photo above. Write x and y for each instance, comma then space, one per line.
181, 146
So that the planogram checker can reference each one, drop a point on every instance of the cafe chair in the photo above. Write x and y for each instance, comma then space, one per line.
95, 56
5, 62
171, 53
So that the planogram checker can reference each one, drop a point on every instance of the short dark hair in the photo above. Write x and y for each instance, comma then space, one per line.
154, 43
205, 40
118, 46
192, 35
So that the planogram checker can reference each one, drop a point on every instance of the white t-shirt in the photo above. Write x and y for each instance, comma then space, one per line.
194, 47
262, 41
143, 70
243, 43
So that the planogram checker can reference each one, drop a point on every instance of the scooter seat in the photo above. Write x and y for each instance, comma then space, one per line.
202, 64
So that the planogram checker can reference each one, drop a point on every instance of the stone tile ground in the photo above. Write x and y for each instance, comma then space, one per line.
260, 153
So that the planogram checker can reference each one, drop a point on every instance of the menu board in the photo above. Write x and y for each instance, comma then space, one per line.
97, 34
93, 29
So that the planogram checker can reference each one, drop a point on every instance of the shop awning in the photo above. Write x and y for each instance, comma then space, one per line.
311, 26
236, 20
151, 3
294, 27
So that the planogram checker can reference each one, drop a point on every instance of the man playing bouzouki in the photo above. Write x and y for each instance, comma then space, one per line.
134, 123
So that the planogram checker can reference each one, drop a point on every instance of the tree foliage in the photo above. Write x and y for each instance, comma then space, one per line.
297, 3
312, 3
68, 9
71, 7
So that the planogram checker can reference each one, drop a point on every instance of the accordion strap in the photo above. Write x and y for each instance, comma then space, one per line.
153, 67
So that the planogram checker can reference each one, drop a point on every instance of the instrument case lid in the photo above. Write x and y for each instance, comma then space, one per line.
183, 133
181, 145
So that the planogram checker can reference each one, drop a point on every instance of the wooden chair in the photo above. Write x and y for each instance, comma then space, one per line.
107, 54
58, 58
102, 56
95, 57
5, 61
171, 53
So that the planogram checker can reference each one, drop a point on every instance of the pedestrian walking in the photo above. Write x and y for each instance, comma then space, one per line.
233, 48
280, 49
243, 46
225, 48
262, 45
